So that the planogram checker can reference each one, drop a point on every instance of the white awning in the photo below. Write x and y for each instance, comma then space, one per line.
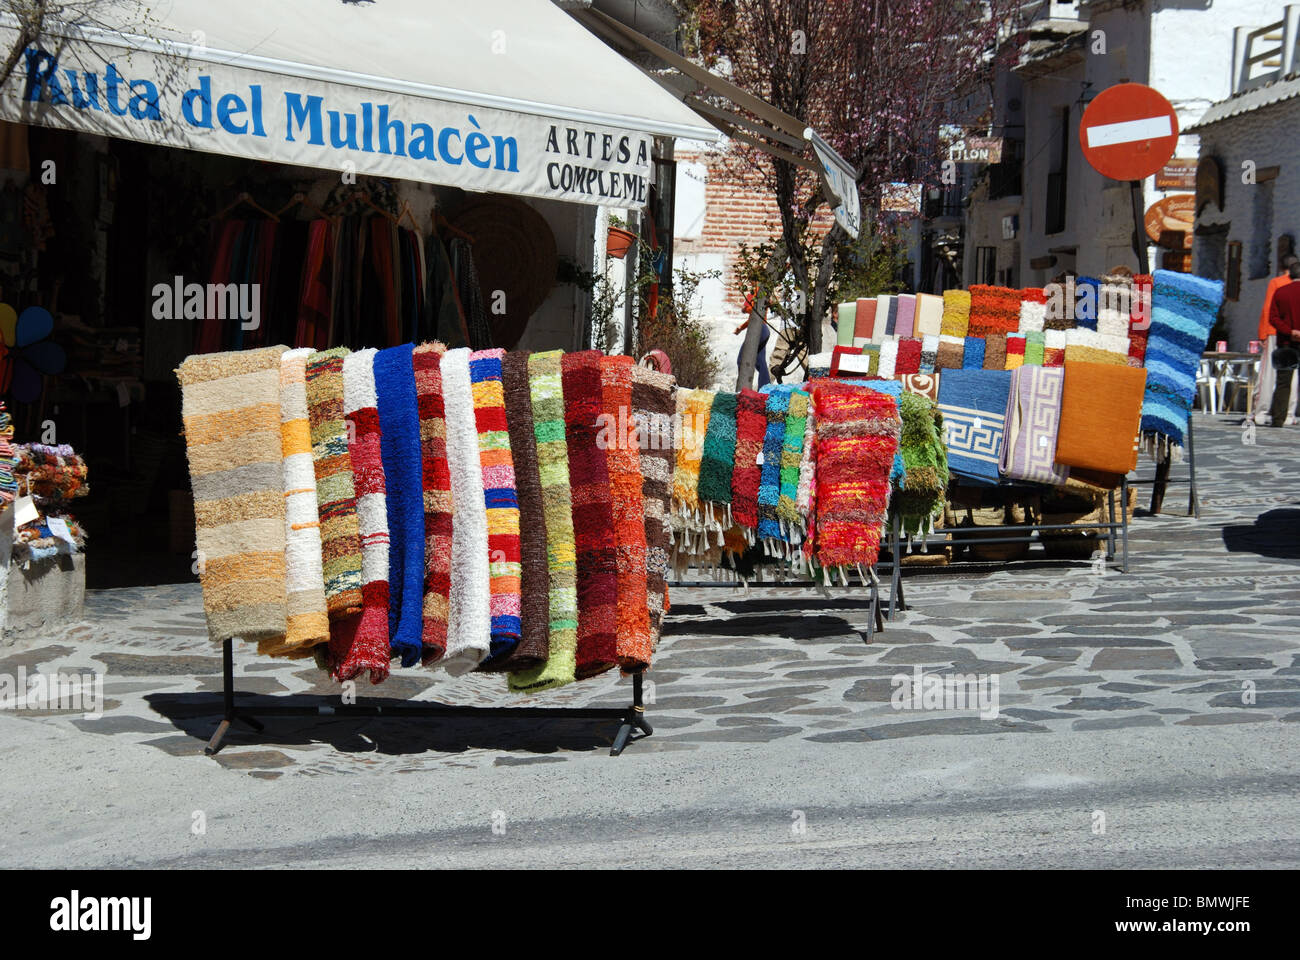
509, 96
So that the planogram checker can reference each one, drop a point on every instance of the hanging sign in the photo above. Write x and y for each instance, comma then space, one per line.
1129, 132
976, 150
260, 111
841, 182
1172, 215
1177, 174
901, 198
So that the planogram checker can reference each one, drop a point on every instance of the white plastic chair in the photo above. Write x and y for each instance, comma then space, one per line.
1207, 387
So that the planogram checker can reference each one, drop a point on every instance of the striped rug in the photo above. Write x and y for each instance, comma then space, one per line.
231, 410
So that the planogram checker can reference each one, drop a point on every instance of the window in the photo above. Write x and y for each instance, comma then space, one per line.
1058, 178
1211, 250
1232, 282
986, 265
1261, 231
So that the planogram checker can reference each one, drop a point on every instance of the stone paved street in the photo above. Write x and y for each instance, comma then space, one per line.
1181, 678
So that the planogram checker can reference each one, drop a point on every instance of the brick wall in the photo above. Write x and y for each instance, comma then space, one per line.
738, 208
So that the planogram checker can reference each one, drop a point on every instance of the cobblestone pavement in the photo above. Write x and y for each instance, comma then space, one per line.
1204, 631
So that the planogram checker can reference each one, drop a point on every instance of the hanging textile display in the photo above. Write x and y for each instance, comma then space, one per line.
1096, 394
1183, 311
627, 505
534, 577
694, 409
1032, 420
857, 440
654, 405
974, 406
927, 385
360, 408
1140, 319
930, 353
792, 447
426, 364
402, 459
925, 462
1033, 309
8, 485
751, 427
53, 476
547, 395
230, 405
973, 354
777, 411
469, 616
718, 460
593, 517
308, 621
501, 503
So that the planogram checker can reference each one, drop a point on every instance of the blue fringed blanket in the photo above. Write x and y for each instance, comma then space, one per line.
974, 407
1183, 310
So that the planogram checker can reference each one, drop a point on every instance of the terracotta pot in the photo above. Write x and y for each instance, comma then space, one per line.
619, 242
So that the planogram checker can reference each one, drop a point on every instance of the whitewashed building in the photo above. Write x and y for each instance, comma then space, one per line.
1249, 203
1068, 217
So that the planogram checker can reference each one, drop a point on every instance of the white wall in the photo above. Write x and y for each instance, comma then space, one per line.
1183, 48
1266, 137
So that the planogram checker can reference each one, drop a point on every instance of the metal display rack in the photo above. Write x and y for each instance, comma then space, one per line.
631, 719
1115, 530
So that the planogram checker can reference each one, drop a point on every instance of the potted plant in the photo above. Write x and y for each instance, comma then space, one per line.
619, 240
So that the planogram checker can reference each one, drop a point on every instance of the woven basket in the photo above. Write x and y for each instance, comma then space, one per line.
1010, 515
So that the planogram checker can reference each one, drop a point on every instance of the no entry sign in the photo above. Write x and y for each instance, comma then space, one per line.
1129, 132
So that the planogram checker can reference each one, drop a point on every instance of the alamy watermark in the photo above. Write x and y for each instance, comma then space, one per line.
72, 692
179, 300
947, 691
1074, 301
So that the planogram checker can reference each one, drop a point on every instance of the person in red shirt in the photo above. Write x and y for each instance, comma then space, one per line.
1267, 379
1284, 317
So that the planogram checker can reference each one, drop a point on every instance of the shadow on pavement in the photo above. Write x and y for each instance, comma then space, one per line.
197, 715
1274, 534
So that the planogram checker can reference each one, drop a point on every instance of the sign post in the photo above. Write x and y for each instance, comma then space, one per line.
1129, 132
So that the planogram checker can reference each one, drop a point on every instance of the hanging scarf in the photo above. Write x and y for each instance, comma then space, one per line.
627, 503
534, 583
777, 410
469, 617
925, 460
719, 457
654, 402
751, 426
364, 445
593, 517
806, 501
857, 439
335, 495
502, 502
308, 620
399, 445
544, 382
796, 425
426, 361
231, 407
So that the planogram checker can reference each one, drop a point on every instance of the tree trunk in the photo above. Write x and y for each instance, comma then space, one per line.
748, 362
813, 322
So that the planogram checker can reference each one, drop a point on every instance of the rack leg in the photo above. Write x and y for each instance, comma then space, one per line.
1193, 500
1123, 530
1110, 534
228, 698
634, 719
895, 572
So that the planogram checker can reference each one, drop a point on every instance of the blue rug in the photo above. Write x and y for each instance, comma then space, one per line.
974, 407
1183, 311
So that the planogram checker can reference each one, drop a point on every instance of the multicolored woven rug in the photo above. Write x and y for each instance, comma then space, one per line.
1183, 311
974, 407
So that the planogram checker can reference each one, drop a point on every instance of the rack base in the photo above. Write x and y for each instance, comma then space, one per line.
631, 719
